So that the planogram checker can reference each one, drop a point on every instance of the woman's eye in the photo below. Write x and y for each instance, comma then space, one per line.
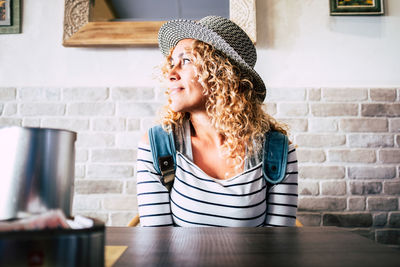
185, 61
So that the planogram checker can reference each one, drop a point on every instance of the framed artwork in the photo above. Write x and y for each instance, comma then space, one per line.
10, 16
356, 7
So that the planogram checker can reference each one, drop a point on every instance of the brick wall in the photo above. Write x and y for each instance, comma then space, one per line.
348, 148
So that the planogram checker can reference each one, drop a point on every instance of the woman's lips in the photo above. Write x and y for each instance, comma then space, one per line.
175, 90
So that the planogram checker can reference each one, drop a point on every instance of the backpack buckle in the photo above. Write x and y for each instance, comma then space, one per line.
166, 164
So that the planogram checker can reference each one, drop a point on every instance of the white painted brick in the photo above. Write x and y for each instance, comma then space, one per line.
109, 171
308, 188
85, 94
322, 172
314, 94
132, 94
101, 216
286, 94
160, 95
322, 125
95, 140
130, 187
122, 218
147, 123
381, 94
394, 125
389, 156
359, 155
10, 122
98, 187
42, 109
71, 124
344, 94
9, 109
39, 94
79, 171
109, 124
137, 110
81, 155
30, 122
84, 202
113, 155
128, 140
370, 140
269, 108
367, 172
364, 125
333, 188
310, 155
334, 109
133, 125
295, 125
127, 203
7, 93
292, 109
91, 109
320, 140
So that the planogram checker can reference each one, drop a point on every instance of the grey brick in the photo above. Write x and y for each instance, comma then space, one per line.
334, 109
344, 94
345, 155
380, 219
286, 94
85, 94
295, 125
98, 187
377, 172
365, 188
347, 219
382, 203
1, 108
389, 156
388, 236
320, 140
86, 202
132, 94
130, 187
310, 155
391, 188
7, 93
323, 125
109, 171
356, 203
333, 188
125, 202
363, 125
397, 140
394, 125
370, 140
314, 94
394, 219
121, 218
308, 188
322, 172
322, 204
309, 219
380, 110
381, 94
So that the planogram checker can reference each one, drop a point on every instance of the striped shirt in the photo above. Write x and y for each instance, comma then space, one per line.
196, 199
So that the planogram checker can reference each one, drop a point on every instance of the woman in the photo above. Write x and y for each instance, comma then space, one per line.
215, 112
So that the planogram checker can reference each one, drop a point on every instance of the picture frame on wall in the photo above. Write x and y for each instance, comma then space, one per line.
10, 16
356, 7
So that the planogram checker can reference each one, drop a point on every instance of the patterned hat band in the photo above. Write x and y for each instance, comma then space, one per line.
224, 35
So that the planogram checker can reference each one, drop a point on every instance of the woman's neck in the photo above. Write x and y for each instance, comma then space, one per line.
204, 130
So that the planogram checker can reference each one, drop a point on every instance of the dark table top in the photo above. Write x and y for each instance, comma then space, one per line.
305, 246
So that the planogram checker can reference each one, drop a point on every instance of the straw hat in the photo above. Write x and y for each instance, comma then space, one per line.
221, 33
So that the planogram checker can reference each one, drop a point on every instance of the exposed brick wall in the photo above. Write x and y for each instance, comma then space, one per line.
348, 148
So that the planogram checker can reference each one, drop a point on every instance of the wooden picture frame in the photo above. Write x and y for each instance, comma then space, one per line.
79, 31
12, 22
356, 7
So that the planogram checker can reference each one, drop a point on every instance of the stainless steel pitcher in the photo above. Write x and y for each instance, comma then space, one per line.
36, 170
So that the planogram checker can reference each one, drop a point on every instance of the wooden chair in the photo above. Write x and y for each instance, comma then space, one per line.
136, 220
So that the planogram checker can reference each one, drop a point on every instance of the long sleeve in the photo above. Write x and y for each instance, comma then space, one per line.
282, 197
153, 197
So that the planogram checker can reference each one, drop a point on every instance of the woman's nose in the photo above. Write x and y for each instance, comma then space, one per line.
173, 74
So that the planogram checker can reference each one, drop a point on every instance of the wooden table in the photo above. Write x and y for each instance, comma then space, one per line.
295, 247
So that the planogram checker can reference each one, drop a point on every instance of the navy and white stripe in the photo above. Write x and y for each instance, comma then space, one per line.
197, 199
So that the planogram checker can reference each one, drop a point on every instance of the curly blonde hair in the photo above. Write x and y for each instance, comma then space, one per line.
232, 104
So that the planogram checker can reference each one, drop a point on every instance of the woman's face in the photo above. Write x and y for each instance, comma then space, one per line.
185, 91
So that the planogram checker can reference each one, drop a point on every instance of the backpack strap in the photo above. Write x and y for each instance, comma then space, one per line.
163, 152
275, 153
